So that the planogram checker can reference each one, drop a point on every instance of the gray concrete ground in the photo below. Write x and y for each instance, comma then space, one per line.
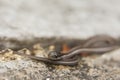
71, 18
105, 67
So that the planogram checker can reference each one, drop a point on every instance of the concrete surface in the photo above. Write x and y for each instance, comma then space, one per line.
71, 18
105, 67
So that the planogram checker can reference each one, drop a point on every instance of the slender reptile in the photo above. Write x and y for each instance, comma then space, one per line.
96, 44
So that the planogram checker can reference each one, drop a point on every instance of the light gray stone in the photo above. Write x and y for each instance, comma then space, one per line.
71, 18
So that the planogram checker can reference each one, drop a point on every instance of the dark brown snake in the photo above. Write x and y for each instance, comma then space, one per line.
96, 44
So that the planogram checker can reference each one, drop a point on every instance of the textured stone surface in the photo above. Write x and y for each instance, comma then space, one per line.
99, 68
71, 18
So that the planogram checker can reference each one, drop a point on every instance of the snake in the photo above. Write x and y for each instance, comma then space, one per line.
95, 44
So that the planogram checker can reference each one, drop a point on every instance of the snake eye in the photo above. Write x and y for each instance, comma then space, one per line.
53, 54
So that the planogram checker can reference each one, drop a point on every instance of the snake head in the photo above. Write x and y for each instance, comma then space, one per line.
53, 54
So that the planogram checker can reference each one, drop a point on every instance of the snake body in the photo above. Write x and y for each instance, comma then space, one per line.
71, 58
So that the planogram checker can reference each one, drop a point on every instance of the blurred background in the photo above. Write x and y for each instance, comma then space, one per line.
69, 18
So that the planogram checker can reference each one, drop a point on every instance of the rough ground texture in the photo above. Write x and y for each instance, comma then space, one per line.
23, 19
106, 67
